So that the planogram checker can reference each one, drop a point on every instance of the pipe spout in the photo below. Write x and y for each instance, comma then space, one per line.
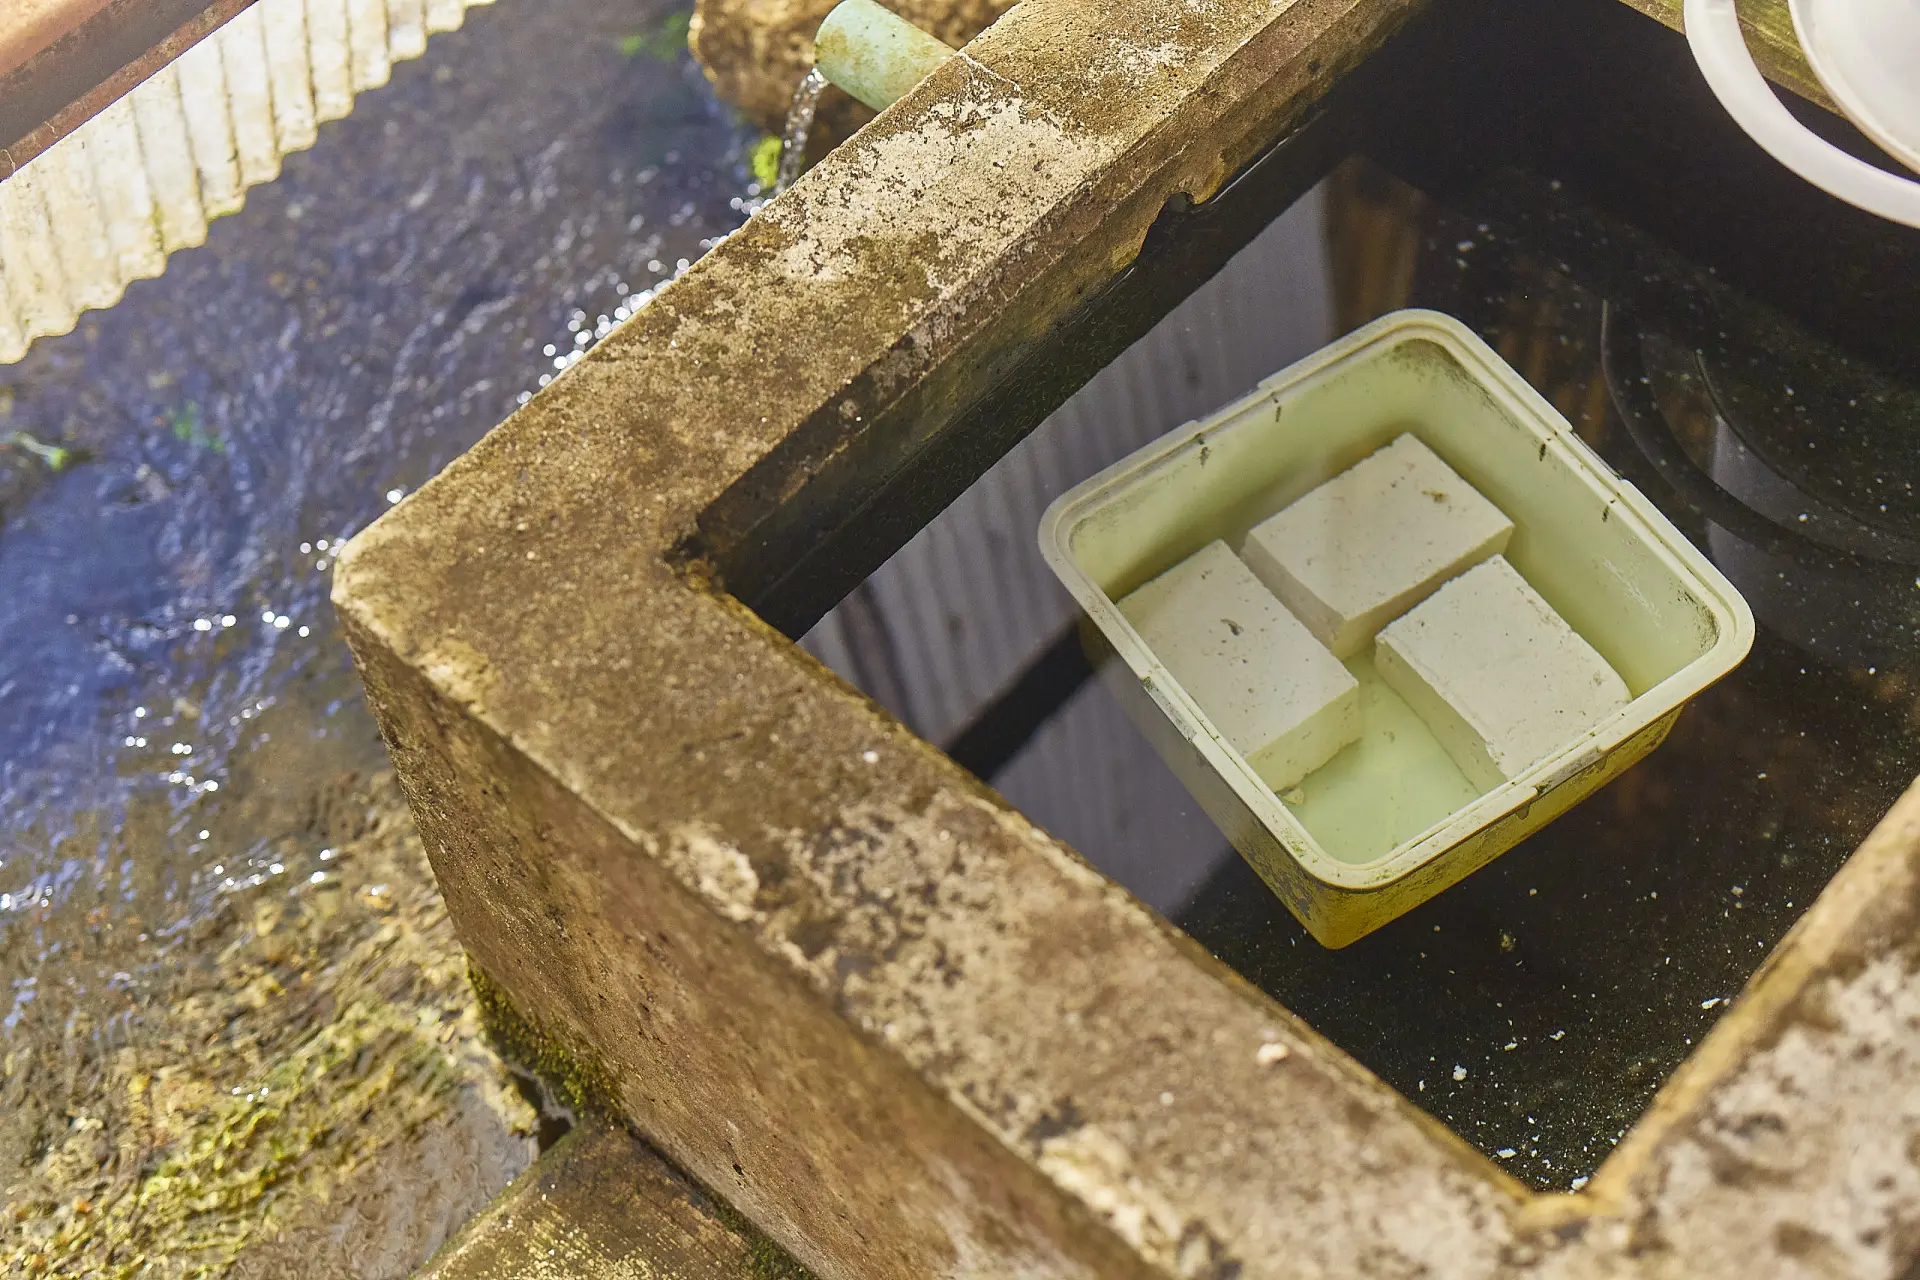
873, 53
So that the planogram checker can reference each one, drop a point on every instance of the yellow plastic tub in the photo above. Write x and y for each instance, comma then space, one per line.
1391, 820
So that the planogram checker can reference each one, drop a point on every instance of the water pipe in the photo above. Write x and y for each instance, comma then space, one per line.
873, 53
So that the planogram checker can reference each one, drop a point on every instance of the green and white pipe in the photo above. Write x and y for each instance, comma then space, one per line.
873, 53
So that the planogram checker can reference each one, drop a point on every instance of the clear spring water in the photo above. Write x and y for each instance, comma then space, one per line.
793, 138
181, 733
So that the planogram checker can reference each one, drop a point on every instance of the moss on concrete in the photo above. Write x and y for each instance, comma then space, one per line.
765, 1259
578, 1079
581, 1082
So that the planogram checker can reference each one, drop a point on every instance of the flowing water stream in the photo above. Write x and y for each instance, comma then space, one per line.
223, 966
793, 138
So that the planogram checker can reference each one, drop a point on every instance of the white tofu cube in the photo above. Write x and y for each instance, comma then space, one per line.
1274, 692
1498, 676
1374, 541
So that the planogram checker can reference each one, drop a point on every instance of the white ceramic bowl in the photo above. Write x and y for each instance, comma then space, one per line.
1866, 53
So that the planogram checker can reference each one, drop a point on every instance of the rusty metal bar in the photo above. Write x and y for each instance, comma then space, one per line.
65, 60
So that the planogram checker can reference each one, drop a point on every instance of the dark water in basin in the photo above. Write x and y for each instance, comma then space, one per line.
1559, 179
1537, 1006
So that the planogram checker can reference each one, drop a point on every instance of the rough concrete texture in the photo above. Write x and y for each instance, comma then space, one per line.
831, 975
600, 1206
1789, 1145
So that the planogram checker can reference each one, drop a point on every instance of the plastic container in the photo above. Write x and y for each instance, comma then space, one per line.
1391, 820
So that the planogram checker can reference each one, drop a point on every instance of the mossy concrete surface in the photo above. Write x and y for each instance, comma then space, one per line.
755, 51
600, 1205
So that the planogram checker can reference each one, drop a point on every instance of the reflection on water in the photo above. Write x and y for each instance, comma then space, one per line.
206, 897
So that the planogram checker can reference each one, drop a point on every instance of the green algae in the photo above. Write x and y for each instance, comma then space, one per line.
206, 1197
576, 1076
764, 162
765, 1259
56, 457
665, 42
185, 424
328, 1030
582, 1082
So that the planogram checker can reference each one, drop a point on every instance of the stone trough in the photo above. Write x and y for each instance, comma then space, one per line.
825, 970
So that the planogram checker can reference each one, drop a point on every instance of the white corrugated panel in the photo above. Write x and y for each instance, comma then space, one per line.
289, 74
329, 58
124, 194
203, 105
87, 263
167, 148
407, 27
143, 177
36, 283
372, 55
961, 610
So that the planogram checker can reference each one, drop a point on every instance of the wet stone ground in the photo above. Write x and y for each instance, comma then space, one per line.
235, 1031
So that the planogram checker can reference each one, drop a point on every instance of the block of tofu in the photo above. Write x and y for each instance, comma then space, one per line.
1498, 676
1276, 694
1374, 541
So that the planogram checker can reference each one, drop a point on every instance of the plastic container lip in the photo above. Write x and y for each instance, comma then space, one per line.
1732, 620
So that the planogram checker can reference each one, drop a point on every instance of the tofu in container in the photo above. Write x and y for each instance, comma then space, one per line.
1437, 530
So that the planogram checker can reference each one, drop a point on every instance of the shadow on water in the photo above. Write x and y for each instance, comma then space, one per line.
182, 728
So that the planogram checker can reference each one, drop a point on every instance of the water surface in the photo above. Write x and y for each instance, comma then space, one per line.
201, 868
